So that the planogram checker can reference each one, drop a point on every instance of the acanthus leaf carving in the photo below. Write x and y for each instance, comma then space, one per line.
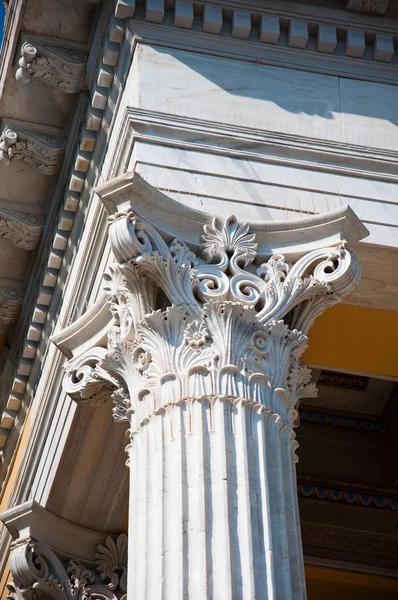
221, 322
36, 569
62, 68
41, 150
11, 298
22, 229
112, 562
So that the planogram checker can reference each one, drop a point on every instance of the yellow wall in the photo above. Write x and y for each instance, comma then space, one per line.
353, 338
330, 584
5, 576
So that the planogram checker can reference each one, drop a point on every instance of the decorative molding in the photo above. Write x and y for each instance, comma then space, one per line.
375, 7
87, 142
36, 568
300, 151
347, 496
11, 298
62, 68
41, 150
235, 328
349, 55
23, 229
8, 139
56, 557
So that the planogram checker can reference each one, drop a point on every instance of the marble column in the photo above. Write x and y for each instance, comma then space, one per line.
203, 360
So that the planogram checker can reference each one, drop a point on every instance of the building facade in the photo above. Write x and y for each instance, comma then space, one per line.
198, 233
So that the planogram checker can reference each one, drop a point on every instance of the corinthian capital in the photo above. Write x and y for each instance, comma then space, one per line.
54, 558
215, 318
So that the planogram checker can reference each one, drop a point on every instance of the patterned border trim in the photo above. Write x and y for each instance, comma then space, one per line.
310, 416
309, 34
347, 497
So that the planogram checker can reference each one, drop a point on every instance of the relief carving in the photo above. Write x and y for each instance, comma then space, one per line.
377, 7
22, 229
232, 327
11, 298
62, 68
41, 150
36, 569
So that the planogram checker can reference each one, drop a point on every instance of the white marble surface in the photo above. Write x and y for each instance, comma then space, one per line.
266, 97
260, 190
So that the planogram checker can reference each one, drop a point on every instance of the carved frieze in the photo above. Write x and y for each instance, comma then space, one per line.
38, 149
22, 229
228, 326
62, 68
11, 298
377, 7
36, 569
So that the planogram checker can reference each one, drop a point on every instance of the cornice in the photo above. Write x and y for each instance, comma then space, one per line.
318, 13
306, 57
262, 145
76, 181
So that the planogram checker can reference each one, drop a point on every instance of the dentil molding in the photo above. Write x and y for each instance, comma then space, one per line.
38, 149
62, 68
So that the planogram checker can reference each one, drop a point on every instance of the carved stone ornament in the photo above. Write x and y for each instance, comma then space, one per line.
38, 572
41, 150
62, 68
377, 7
22, 229
212, 324
11, 298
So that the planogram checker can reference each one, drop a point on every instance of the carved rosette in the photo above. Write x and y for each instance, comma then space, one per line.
41, 150
216, 324
62, 68
37, 571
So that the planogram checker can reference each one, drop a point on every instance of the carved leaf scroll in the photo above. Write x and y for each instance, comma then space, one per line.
62, 68
37, 571
217, 323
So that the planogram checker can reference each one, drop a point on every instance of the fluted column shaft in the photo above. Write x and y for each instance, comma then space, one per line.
213, 505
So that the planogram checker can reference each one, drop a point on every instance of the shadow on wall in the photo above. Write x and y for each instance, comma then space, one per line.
294, 91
